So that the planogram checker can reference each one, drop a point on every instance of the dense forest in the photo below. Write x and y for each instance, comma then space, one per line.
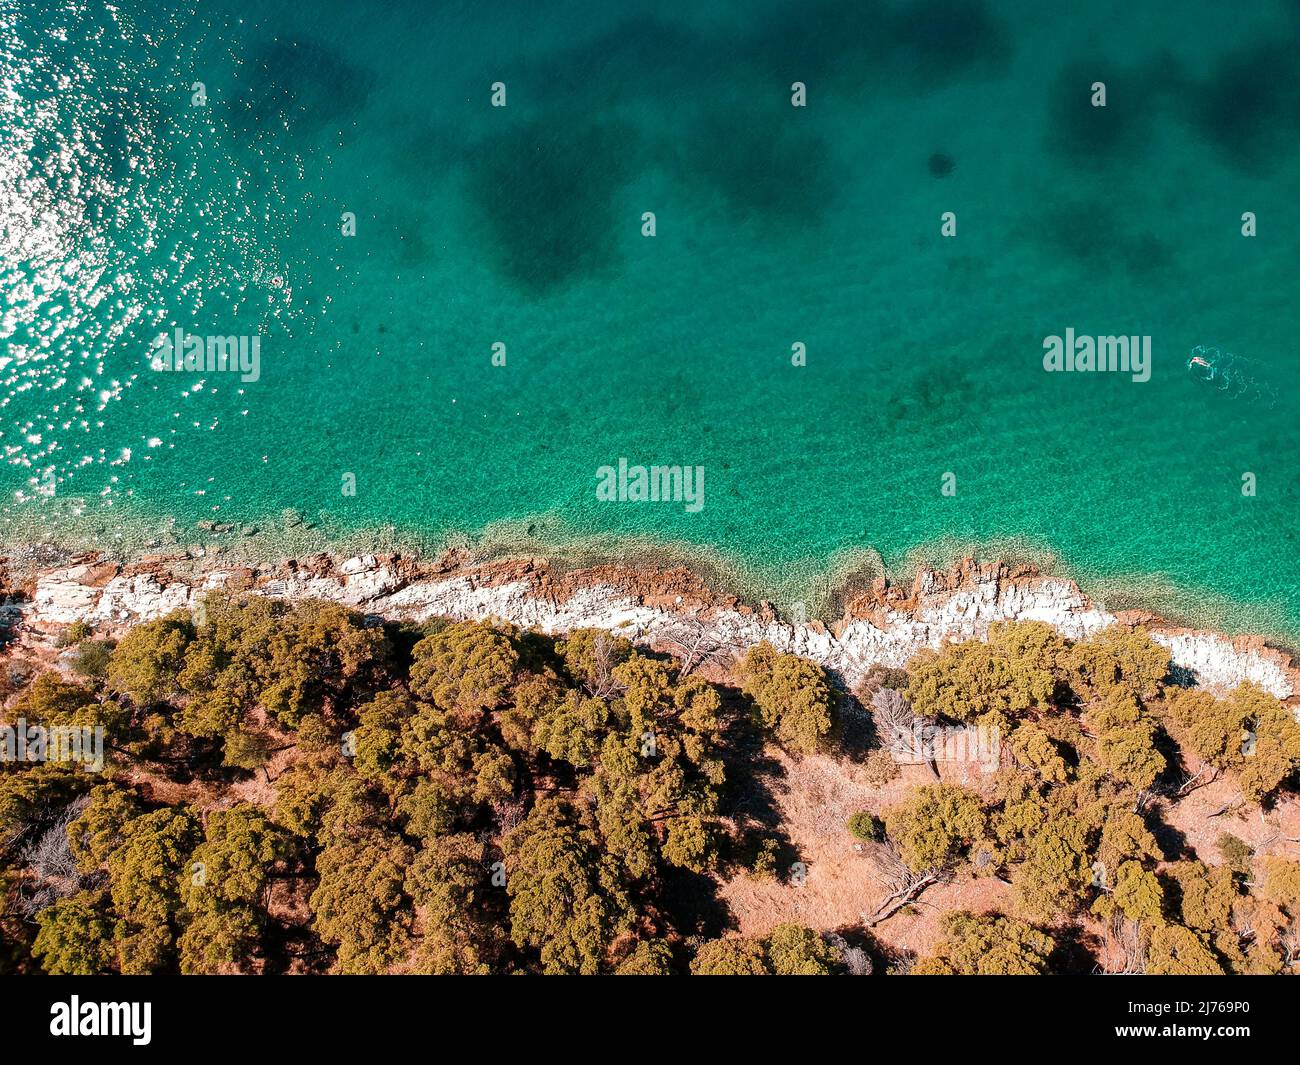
300, 788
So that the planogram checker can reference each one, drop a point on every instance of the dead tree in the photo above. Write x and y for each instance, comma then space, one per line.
1289, 941
1125, 948
856, 961
1208, 772
907, 884
49, 858
601, 684
908, 735
694, 643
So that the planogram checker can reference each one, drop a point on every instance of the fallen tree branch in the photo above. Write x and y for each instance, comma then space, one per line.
1190, 784
904, 895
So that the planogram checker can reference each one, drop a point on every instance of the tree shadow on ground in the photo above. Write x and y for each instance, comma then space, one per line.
1074, 952
755, 779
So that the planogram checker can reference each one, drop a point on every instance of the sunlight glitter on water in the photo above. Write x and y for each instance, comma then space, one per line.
112, 190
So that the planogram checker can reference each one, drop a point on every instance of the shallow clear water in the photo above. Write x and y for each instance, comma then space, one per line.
127, 211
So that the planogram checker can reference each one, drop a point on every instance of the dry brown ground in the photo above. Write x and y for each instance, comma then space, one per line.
845, 881
1273, 832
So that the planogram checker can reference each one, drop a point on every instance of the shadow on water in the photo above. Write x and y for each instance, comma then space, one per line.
546, 191
839, 44
919, 396
1245, 104
945, 40
926, 42
1084, 135
641, 57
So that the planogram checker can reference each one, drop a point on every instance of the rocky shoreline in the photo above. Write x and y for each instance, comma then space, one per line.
671, 608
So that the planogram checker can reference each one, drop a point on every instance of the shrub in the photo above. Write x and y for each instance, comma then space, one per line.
75, 633
246, 750
865, 826
793, 950
998, 679
986, 945
880, 768
1178, 951
92, 659
1236, 853
766, 859
730, 957
1249, 733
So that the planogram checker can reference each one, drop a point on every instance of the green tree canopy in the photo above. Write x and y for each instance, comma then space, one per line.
147, 661
987, 945
99, 829
1125, 738
449, 881
793, 950
53, 702
464, 670
222, 894
145, 874
1178, 951
734, 956
987, 682
567, 900
360, 904
1116, 657
76, 936
793, 697
1249, 733
936, 825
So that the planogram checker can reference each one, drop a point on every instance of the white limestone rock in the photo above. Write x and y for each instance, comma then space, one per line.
365, 583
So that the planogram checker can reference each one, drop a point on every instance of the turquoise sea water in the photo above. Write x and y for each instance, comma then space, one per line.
127, 211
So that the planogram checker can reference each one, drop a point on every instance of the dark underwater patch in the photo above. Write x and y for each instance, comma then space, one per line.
547, 197
940, 164
854, 43
765, 167
1249, 106
943, 40
832, 45
301, 84
641, 56
1091, 233
813, 40
1086, 136
919, 397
